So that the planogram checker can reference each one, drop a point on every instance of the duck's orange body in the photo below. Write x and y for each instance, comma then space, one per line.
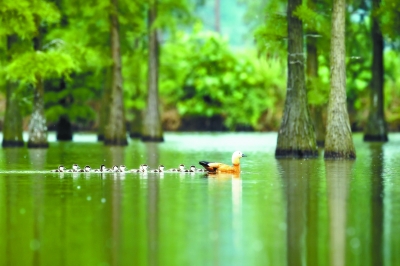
224, 168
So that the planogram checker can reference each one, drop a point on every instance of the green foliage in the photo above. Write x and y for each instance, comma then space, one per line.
202, 76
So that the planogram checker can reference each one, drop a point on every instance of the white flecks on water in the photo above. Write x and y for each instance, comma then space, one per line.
88, 198
103, 200
78, 187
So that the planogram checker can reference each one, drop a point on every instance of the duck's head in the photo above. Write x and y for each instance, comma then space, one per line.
61, 168
115, 168
75, 166
122, 167
87, 168
144, 167
181, 167
192, 168
236, 157
102, 167
161, 168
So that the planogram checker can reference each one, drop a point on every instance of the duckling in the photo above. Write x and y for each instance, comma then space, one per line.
122, 168
102, 169
159, 170
192, 169
86, 169
114, 169
144, 168
224, 168
75, 168
60, 169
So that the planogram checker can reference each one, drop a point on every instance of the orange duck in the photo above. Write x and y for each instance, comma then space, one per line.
224, 168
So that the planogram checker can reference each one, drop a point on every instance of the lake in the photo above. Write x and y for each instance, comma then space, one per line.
277, 212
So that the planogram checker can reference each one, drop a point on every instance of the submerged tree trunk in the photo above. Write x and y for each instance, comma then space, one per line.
338, 141
152, 127
296, 136
115, 129
104, 111
376, 125
37, 125
12, 128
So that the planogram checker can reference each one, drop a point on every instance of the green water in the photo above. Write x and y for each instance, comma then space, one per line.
279, 212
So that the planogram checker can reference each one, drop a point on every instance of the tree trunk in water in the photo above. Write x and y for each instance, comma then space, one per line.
316, 111
338, 141
37, 125
152, 128
135, 129
64, 127
115, 129
376, 125
12, 129
296, 136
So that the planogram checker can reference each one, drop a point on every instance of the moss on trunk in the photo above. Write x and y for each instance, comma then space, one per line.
338, 141
296, 136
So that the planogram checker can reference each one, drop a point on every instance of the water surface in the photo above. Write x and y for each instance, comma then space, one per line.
278, 212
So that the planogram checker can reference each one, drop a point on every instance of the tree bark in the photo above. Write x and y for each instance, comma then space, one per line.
338, 141
37, 125
12, 128
115, 129
316, 111
376, 129
296, 136
152, 127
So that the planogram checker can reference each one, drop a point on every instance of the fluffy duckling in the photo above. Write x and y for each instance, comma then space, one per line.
114, 169
122, 168
224, 168
144, 168
60, 169
86, 169
102, 169
75, 168
192, 169
159, 170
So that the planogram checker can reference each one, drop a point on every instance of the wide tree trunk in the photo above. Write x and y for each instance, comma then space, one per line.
338, 141
37, 125
376, 129
296, 136
152, 127
104, 111
115, 129
12, 128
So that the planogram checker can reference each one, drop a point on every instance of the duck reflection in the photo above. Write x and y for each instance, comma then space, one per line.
338, 174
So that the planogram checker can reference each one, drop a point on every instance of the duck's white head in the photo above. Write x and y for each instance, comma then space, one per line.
181, 167
103, 167
61, 168
122, 168
115, 168
161, 168
236, 157
144, 167
87, 168
192, 168
75, 167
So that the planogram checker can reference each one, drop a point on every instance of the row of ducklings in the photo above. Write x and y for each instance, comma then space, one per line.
144, 168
